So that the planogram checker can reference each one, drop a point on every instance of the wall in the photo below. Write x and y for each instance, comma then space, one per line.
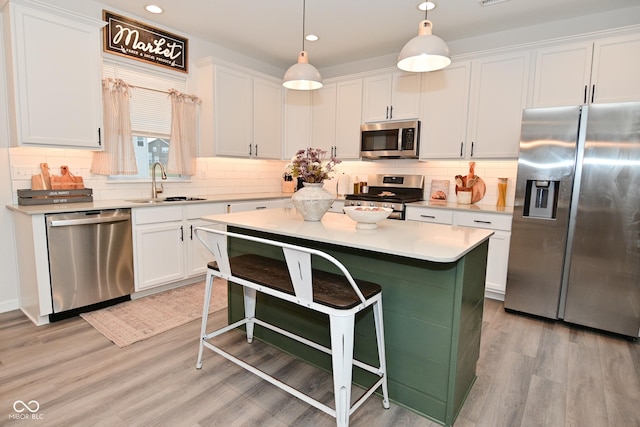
219, 175
215, 175
8, 261
489, 171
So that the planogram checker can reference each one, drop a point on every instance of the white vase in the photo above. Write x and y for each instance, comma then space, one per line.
312, 201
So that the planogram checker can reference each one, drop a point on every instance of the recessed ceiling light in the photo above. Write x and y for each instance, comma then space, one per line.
311, 38
153, 8
426, 5
490, 2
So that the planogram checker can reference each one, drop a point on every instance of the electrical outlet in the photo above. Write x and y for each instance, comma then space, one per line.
23, 173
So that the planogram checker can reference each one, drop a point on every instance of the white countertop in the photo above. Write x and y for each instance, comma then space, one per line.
115, 204
411, 239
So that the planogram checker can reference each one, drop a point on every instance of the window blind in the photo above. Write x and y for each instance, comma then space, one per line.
150, 110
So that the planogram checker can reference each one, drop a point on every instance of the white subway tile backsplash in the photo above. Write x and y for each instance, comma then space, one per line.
220, 175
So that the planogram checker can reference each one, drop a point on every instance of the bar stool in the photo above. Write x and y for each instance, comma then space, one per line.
339, 296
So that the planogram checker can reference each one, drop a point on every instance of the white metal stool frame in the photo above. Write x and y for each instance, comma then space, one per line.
341, 321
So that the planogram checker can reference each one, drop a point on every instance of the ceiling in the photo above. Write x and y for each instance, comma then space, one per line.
349, 30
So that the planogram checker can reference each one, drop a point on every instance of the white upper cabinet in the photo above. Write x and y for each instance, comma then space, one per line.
562, 75
336, 118
232, 112
445, 104
614, 76
348, 119
297, 121
499, 87
54, 74
391, 96
588, 72
267, 118
247, 113
323, 118
473, 109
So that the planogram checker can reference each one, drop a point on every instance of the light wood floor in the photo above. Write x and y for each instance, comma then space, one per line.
530, 373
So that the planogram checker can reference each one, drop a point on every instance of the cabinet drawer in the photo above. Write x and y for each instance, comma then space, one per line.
439, 216
198, 210
153, 215
484, 220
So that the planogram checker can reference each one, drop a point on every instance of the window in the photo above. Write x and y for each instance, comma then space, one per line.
150, 109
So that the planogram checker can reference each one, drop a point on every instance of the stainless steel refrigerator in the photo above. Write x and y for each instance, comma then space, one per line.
575, 241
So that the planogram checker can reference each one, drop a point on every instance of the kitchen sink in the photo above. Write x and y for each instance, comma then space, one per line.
182, 199
166, 199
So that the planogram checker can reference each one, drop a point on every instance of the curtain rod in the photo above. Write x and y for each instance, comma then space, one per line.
148, 88
168, 92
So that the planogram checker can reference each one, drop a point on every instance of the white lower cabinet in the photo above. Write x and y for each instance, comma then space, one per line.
165, 247
498, 256
259, 204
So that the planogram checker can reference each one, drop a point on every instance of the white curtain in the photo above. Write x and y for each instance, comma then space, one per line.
182, 149
118, 157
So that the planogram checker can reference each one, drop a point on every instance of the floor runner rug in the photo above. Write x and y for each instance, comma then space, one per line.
138, 319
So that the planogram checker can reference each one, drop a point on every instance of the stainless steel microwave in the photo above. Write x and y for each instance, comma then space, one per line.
390, 140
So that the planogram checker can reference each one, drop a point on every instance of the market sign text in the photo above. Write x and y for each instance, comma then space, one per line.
133, 39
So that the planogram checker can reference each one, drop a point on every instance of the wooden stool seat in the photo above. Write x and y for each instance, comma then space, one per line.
329, 289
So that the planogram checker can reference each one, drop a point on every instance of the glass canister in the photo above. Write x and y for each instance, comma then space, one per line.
502, 192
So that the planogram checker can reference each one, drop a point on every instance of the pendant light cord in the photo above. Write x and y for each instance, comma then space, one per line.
303, 21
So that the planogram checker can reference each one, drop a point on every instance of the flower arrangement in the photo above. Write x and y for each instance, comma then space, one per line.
311, 165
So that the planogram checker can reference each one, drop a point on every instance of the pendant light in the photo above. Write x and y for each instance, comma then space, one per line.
302, 75
425, 52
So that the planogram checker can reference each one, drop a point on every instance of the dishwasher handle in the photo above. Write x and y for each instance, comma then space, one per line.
92, 220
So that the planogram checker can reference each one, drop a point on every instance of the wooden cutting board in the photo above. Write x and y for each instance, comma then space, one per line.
42, 180
66, 181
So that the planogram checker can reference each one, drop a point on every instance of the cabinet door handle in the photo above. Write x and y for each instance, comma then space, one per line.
260, 207
585, 93
477, 221
99, 138
427, 216
250, 152
472, 144
461, 145
182, 233
593, 93
391, 112
387, 113
191, 232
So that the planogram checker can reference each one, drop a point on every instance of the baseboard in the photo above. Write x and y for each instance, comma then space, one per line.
162, 288
9, 305
494, 295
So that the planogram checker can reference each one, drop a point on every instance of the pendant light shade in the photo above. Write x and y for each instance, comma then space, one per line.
302, 76
425, 52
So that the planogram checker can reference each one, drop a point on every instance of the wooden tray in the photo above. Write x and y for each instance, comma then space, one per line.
47, 197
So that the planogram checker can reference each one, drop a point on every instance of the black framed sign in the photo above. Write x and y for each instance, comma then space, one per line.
135, 40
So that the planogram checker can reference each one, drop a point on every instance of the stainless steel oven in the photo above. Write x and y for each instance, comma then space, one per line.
389, 191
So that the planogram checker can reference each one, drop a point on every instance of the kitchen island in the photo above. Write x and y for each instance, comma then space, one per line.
432, 279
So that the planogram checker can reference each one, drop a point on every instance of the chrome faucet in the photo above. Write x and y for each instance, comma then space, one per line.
154, 189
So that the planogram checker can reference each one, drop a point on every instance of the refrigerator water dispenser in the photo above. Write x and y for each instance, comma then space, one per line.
541, 198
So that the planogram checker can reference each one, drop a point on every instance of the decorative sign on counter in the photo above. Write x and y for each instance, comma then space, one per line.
135, 40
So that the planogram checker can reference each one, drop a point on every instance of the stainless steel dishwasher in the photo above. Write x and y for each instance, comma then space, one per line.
90, 259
